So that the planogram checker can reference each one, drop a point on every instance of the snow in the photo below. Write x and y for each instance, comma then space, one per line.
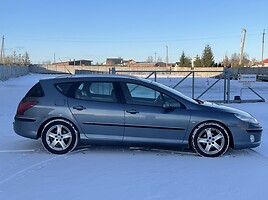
27, 171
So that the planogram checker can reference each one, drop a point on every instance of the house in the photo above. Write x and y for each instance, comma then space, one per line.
129, 62
265, 62
143, 64
74, 63
160, 64
114, 61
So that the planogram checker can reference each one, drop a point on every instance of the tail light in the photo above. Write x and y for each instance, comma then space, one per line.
25, 105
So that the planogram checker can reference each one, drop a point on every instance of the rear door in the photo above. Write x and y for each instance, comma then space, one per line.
98, 111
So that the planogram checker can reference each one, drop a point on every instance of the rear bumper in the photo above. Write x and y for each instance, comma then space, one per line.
26, 127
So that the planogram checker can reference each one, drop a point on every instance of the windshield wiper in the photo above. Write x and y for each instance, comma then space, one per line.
199, 101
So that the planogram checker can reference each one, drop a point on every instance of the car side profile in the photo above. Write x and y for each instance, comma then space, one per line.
128, 110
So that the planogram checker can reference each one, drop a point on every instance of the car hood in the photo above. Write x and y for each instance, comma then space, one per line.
217, 107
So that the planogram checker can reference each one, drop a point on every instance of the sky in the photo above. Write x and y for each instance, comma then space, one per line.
133, 29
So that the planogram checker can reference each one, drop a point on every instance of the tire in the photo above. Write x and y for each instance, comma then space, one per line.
59, 136
210, 139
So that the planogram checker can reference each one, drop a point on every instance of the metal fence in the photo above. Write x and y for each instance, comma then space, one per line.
223, 78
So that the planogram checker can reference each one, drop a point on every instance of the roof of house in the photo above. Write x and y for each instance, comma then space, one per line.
265, 61
72, 61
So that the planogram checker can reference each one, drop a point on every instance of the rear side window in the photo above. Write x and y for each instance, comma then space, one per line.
36, 91
96, 91
64, 88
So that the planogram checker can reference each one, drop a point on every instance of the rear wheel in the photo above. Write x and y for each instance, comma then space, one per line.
210, 139
59, 136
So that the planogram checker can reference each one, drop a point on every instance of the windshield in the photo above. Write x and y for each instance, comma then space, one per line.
176, 92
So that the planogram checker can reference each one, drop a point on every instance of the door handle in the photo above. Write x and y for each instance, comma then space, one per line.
79, 108
132, 111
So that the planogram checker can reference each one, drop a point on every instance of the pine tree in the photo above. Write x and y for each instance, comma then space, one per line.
184, 61
198, 62
207, 57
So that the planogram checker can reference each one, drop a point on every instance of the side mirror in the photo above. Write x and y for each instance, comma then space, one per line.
167, 106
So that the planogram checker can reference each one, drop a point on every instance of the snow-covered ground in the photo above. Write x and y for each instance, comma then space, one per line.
27, 171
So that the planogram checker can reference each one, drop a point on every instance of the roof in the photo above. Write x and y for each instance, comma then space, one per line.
94, 76
265, 61
72, 61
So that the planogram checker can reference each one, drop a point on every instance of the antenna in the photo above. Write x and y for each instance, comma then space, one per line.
65, 67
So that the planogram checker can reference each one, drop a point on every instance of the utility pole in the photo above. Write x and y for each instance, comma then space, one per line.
2, 56
166, 56
262, 47
242, 45
155, 57
54, 58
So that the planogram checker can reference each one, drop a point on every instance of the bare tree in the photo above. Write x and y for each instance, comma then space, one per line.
150, 59
18, 59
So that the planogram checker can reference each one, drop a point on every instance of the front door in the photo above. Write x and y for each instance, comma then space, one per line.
147, 121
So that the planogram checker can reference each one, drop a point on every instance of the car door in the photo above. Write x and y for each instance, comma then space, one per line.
97, 110
147, 121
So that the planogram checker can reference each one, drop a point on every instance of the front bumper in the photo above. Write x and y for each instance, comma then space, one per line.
247, 137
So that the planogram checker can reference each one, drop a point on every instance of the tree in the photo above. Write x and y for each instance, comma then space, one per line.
26, 59
18, 59
185, 61
207, 57
159, 59
226, 62
254, 62
198, 62
235, 58
150, 59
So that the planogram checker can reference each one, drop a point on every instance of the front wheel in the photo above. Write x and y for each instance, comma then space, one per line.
210, 139
59, 136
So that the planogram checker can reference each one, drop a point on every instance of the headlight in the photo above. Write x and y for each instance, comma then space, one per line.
247, 118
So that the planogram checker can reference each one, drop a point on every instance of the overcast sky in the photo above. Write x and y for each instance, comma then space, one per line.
131, 29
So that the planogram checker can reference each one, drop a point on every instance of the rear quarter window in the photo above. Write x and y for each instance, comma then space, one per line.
36, 91
67, 88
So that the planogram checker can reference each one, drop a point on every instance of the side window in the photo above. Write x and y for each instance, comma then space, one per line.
174, 103
101, 88
36, 91
96, 91
142, 95
139, 94
64, 88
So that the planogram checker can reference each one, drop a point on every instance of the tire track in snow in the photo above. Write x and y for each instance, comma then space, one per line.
36, 165
27, 169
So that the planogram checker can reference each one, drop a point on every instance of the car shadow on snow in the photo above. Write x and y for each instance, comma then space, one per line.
154, 150
36, 147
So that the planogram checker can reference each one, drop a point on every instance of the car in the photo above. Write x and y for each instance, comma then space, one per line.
127, 110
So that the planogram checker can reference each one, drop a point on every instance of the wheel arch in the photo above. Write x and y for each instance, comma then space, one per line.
231, 142
41, 128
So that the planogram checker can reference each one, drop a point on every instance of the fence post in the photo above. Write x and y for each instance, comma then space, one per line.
193, 85
224, 89
228, 84
113, 70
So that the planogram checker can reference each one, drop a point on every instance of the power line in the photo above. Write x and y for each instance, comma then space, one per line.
181, 39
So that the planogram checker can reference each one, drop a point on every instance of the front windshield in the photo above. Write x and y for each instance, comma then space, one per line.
176, 92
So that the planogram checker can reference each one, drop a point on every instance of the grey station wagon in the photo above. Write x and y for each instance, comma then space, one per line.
127, 110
